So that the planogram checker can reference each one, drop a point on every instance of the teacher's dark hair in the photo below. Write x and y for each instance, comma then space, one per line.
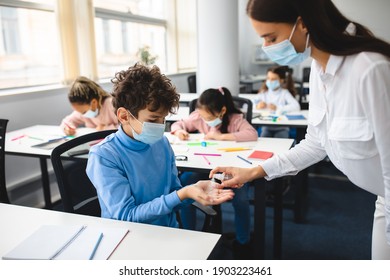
325, 23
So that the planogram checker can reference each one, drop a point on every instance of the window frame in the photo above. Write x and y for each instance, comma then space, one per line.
88, 67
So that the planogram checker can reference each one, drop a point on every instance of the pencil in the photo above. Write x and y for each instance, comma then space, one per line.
205, 158
233, 149
244, 159
36, 138
96, 246
206, 154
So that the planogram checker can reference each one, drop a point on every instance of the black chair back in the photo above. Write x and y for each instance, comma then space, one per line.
191, 83
244, 104
3, 190
78, 195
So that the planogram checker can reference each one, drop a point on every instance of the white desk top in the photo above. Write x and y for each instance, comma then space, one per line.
252, 78
187, 97
182, 113
21, 140
144, 242
188, 148
281, 120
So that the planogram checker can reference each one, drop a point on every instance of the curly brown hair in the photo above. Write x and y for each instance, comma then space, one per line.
141, 87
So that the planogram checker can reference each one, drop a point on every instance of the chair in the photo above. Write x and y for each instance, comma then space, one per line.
191, 83
69, 160
78, 195
304, 89
244, 104
3, 189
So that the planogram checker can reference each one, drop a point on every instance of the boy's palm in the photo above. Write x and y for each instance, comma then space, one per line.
207, 194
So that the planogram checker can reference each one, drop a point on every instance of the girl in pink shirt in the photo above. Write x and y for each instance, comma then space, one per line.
92, 107
217, 117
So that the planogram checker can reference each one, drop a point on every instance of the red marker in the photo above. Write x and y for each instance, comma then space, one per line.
18, 137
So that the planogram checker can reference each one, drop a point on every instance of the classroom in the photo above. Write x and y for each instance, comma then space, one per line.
322, 210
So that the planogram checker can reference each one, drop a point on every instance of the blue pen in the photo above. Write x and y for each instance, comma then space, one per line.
57, 139
96, 246
244, 159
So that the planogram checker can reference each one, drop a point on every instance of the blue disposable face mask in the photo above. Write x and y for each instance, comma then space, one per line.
272, 85
214, 122
151, 132
284, 53
91, 114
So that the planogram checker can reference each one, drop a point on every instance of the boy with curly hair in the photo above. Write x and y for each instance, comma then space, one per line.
134, 170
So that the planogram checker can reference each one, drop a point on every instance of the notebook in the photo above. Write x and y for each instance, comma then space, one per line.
260, 155
45, 243
295, 117
58, 242
82, 247
51, 144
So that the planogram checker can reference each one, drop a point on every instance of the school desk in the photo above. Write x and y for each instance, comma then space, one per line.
22, 147
19, 143
204, 157
186, 98
182, 113
143, 242
263, 118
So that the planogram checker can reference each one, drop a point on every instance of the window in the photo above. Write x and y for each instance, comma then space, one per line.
147, 8
29, 49
123, 27
41, 44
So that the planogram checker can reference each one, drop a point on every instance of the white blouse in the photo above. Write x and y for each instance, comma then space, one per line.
349, 120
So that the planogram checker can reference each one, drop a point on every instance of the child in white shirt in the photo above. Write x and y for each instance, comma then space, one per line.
277, 95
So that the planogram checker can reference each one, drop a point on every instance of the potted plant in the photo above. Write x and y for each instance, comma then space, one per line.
145, 56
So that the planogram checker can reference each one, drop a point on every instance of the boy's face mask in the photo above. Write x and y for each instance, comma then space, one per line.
151, 132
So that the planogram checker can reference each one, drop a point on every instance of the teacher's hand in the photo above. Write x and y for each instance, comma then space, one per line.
239, 175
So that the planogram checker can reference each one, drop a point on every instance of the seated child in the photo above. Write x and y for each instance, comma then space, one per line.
276, 94
134, 170
92, 107
218, 118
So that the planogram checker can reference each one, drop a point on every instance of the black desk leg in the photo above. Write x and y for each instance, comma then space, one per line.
259, 219
45, 183
278, 218
301, 200
301, 187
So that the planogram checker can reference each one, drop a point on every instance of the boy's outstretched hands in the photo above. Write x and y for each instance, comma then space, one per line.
206, 192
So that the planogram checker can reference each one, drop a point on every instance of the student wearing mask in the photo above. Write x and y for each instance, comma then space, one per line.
218, 118
134, 170
277, 95
92, 107
349, 99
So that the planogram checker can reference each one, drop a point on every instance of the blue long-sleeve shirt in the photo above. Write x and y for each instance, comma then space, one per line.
135, 181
